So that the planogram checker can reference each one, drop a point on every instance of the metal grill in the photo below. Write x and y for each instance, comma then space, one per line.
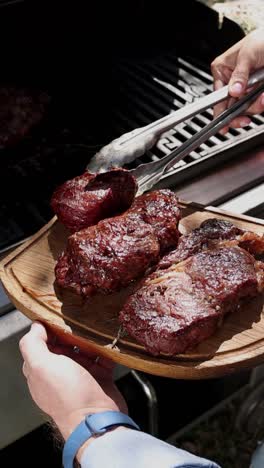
151, 90
144, 91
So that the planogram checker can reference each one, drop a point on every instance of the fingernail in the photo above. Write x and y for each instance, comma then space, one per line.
262, 100
244, 122
236, 88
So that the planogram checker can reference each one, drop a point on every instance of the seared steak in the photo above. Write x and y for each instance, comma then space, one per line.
118, 250
88, 198
213, 232
160, 210
194, 286
178, 307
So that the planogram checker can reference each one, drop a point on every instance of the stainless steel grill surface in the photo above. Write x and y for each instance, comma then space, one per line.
154, 89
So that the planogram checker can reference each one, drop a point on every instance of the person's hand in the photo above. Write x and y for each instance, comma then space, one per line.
233, 67
62, 388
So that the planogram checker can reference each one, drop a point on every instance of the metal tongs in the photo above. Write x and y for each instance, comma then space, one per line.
133, 144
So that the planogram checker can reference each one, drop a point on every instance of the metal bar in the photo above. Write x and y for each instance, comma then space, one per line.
151, 396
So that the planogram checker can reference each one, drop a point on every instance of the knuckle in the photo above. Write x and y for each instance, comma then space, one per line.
22, 343
215, 66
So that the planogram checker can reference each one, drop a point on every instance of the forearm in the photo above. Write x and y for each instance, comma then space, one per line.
128, 448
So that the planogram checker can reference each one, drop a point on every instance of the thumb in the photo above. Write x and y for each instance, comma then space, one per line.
239, 79
33, 345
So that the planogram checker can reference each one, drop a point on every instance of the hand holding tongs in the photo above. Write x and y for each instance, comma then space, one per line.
133, 144
149, 174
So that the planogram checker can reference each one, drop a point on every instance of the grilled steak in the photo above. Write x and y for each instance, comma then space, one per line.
88, 198
118, 250
160, 210
194, 286
177, 308
20, 110
213, 232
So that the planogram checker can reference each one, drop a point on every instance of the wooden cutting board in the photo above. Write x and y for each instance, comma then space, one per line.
28, 278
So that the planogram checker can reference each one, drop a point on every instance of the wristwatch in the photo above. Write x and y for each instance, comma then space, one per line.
93, 424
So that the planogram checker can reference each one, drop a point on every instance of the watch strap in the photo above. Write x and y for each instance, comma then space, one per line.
93, 424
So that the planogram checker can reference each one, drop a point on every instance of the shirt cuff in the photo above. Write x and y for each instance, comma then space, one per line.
130, 449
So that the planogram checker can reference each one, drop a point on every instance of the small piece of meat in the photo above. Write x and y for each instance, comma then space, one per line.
162, 213
118, 250
177, 308
252, 242
89, 198
259, 267
20, 110
209, 234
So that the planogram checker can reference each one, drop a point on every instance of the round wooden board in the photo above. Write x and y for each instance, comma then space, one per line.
28, 277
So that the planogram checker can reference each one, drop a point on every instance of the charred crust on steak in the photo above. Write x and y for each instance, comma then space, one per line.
208, 235
211, 272
117, 251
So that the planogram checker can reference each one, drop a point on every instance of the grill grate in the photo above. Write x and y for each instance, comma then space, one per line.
151, 90
143, 91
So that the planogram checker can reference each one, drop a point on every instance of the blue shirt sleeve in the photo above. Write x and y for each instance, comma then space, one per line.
133, 449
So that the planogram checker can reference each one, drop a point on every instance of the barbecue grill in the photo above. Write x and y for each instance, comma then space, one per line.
148, 90
132, 77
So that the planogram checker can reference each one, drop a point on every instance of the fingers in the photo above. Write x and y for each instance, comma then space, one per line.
233, 68
258, 106
84, 360
33, 345
240, 75
244, 120
221, 74
240, 122
88, 361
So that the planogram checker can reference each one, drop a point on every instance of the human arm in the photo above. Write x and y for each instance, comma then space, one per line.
62, 387
67, 391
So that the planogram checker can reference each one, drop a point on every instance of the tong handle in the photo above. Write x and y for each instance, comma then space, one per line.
215, 126
169, 121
